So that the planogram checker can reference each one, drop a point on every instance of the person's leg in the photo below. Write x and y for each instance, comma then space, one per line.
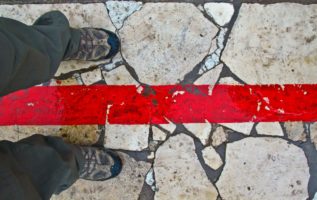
39, 166
30, 55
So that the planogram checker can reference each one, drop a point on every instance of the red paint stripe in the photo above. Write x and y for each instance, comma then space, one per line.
70, 105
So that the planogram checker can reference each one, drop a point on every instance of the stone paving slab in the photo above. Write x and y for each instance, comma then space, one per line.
184, 1
280, 48
193, 161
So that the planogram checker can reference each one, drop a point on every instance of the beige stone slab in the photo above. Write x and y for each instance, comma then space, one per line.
170, 127
244, 127
119, 76
163, 41
200, 130
126, 186
264, 168
269, 128
79, 15
178, 173
9, 133
274, 44
219, 136
212, 158
127, 137
66, 82
81, 134
91, 77
295, 131
119, 11
158, 134
210, 77
313, 134
220, 12
228, 81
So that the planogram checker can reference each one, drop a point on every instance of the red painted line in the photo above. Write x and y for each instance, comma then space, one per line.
75, 105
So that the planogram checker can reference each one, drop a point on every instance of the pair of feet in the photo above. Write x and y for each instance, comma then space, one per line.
97, 44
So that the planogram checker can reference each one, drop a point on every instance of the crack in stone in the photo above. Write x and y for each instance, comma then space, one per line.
311, 155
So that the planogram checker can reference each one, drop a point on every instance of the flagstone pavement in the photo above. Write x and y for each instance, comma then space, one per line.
193, 43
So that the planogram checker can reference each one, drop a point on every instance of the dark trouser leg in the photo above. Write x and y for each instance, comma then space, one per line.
30, 55
37, 167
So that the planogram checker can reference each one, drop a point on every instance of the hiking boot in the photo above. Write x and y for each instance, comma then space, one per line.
96, 44
100, 164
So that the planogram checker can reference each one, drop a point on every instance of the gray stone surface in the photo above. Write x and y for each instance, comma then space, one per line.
256, 169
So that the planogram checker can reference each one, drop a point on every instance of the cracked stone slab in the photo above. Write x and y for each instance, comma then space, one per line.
127, 185
228, 81
313, 134
170, 127
269, 128
178, 172
220, 12
163, 42
119, 11
158, 134
244, 128
295, 131
150, 180
269, 44
80, 134
200, 130
115, 62
119, 76
210, 77
79, 15
9, 133
217, 46
92, 77
255, 169
127, 137
212, 158
219, 136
